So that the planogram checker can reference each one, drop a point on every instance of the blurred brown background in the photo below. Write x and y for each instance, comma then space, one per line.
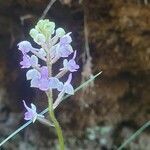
110, 35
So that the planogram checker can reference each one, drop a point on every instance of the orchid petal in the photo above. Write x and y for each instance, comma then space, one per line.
75, 53
53, 82
34, 60
33, 107
32, 73
25, 105
24, 46
35, 82
69, 89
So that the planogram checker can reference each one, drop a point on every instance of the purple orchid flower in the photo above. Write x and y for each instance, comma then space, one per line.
63, 48
28, 61
71, 64
41, 80
31, 113
66, 87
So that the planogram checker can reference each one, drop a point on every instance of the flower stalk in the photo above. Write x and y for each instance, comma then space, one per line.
51, 109
55, 122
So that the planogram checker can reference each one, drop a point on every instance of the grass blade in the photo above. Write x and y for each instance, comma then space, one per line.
132, 137
46, 110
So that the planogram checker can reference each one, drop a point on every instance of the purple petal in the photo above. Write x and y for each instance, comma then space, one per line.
25, 62
44, 72
66, 50
31, 113
28, 116
72, 66
66, 39
43, 84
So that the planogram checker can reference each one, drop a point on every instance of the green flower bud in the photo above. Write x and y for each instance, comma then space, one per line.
40, 39
33, 33
39, 26
60, 32
45, 27
49, 27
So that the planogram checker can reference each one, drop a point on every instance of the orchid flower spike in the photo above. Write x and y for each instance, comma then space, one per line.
31, 113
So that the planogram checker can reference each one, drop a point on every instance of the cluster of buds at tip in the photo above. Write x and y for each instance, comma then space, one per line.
53, 44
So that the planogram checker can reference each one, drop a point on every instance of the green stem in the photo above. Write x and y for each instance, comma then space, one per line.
139, 131
55, 122
50, 106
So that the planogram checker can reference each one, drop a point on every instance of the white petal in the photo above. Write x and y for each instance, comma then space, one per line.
65, 63
25, 46
60, 86
35, 82
69, 89
33, 107
75, 53
53, 82
32, 73
34, 60
25, 105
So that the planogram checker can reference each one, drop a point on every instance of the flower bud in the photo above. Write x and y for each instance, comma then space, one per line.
40, 39
45, 27
60, 32
33, 33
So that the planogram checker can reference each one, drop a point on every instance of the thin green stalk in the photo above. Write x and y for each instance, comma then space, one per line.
139, 131
55, 122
